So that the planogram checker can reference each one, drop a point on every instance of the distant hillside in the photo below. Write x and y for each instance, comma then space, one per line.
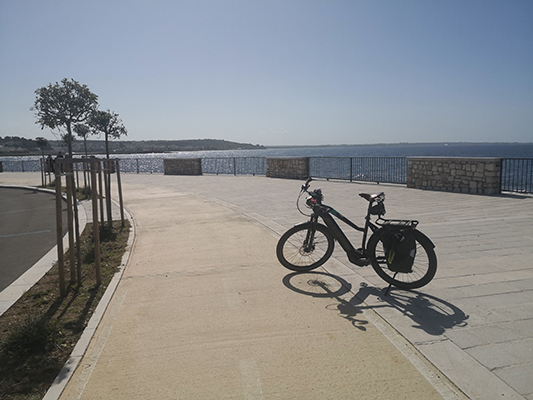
12, 145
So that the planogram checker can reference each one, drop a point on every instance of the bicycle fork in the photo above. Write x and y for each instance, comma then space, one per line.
309, 242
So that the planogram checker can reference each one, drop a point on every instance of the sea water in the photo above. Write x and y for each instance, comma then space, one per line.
152, 162
504, 150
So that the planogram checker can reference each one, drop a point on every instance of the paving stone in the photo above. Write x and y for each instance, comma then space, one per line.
478, 314
489, 289
465, 338
504, 354
512, 275
523, 284
498, 333
518, 377
452, 282
525, 326
447, 293
506, 300
515, 313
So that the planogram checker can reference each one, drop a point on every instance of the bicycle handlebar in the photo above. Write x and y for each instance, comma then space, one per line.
305, 186
316, 197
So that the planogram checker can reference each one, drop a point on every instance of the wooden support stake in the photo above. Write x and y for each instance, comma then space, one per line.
70, 216
119, 185
107, 174
77, 230
84, 165
59, 231
96, 230
43, 173
101, 191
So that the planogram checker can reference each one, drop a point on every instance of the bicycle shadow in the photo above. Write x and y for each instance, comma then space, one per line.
320, 284
429, 313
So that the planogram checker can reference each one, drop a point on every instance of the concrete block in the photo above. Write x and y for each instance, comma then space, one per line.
182, 166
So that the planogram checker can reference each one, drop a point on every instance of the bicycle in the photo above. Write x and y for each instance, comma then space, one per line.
398, 252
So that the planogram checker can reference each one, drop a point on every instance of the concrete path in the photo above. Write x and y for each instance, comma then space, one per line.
202, 312
205, 311
475, 320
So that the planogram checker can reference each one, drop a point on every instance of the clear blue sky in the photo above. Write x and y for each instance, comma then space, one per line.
279, 72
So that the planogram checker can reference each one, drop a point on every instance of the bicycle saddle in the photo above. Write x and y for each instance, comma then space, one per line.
370, 197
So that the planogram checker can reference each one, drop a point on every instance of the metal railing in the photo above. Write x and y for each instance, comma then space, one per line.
215, 166
234, 166
517, 175
11, 165
144, 165
367, 169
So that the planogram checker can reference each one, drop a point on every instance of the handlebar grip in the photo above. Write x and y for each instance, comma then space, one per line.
305, 186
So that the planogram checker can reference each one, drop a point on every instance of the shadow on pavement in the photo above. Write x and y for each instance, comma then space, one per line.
429, 313
320, 284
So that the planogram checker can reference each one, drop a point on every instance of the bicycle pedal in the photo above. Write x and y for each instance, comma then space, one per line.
359, 261
363, 262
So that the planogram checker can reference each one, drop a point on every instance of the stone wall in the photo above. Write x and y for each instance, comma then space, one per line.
288, 168
480, 175
182, 166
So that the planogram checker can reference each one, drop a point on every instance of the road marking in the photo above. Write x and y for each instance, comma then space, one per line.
24, 234
26, 210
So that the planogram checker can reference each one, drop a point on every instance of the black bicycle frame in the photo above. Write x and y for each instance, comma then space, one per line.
325, 212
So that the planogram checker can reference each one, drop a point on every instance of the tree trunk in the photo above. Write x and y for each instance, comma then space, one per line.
106, 145
69, 139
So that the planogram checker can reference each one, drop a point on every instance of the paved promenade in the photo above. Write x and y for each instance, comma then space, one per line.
204, 310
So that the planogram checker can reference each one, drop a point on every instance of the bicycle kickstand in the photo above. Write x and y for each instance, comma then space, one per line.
390, 285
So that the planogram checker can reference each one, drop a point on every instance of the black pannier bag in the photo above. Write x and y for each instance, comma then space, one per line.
400, 249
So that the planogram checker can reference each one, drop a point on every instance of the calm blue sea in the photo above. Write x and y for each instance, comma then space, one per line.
505, 150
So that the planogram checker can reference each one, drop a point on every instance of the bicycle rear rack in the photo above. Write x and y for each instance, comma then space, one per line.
412, 223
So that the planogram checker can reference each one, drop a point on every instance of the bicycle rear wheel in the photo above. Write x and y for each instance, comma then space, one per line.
424, 266
305, 247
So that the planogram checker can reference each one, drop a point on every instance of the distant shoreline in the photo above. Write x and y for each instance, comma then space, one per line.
16, 146
395, 144
173, 146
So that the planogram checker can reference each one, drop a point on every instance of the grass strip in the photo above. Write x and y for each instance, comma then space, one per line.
38, 333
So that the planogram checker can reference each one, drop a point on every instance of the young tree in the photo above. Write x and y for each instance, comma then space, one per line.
41, 143
45, 170
83, 131
68, 139
62, 105
108, 123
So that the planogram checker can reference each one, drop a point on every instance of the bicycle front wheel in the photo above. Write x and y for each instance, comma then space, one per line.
424, 266
305, 247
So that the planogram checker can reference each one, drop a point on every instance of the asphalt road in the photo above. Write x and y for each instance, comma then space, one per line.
27, 230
